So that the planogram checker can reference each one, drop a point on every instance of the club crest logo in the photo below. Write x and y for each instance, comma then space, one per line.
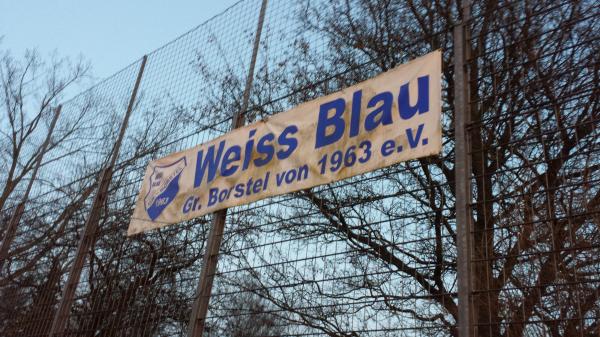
164, 186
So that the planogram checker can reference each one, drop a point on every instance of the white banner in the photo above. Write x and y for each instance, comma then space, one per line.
388, 119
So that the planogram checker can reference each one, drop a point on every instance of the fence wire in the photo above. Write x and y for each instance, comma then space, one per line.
373, 255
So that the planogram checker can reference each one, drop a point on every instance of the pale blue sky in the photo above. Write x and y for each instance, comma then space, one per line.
109, 33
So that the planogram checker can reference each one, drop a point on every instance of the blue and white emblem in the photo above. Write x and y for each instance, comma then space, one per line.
164, 186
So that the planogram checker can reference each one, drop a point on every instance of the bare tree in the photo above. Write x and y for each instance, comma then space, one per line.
31, 87
49, 231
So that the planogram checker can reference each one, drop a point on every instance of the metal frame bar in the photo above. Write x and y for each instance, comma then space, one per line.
462, 173
61, 315
11, 230
211, 255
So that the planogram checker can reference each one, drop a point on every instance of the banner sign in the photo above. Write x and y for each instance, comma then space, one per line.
388, 119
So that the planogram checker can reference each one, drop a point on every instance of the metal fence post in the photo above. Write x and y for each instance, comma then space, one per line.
462, 173
11, 230
61, 315
215, 236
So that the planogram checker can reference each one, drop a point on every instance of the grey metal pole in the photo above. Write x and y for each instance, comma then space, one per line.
462, 171
9, 234
61, 316
215, 236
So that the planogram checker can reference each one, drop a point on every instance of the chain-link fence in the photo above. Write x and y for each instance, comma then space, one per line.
373, 255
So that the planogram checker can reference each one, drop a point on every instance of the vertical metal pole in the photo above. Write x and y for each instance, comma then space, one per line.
462, 169
11, 230
61, 316
215, 236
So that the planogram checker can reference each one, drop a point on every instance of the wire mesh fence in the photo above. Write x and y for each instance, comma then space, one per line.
373, 255
535, 249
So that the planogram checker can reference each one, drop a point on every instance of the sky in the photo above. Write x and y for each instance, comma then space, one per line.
109, 33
